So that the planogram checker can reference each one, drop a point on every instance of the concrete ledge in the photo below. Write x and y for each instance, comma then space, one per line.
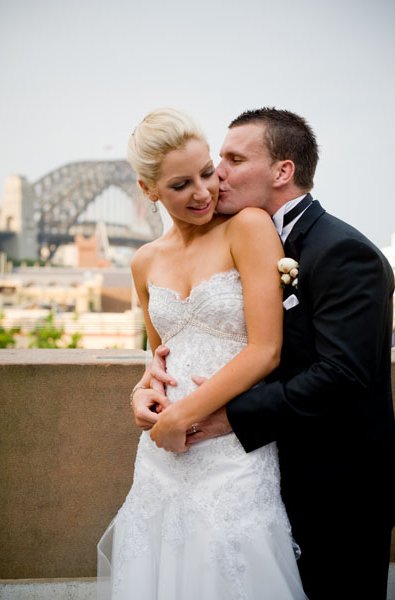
49, 589
74, 356
391, 582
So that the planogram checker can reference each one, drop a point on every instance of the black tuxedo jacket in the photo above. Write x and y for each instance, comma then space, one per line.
329, 405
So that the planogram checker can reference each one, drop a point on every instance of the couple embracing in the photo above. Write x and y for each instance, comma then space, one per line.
262, 379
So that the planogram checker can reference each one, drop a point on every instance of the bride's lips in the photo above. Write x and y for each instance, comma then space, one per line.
201, 210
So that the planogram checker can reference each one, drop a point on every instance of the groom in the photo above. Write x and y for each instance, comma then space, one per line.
329, 405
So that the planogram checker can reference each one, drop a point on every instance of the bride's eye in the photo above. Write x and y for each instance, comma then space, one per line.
179, 186
208, 173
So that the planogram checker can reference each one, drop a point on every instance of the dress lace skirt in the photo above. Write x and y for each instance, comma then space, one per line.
208, 524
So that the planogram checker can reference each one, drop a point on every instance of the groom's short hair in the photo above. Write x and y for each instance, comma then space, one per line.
287, 136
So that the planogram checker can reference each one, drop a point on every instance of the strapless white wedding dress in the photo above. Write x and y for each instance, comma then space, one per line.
208, 524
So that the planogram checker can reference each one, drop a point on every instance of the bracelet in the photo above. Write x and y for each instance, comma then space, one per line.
138, 387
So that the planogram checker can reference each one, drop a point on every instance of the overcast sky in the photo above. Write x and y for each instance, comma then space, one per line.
78, 75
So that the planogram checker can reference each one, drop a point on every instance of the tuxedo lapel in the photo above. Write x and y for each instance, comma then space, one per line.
293, 243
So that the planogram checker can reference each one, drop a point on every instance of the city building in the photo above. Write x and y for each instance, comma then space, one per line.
96, 330
99, 304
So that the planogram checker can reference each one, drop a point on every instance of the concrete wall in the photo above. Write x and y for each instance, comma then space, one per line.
67, 452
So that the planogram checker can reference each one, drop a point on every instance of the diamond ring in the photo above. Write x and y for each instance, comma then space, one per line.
192, 430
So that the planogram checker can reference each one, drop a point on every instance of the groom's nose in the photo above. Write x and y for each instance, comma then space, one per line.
221, 170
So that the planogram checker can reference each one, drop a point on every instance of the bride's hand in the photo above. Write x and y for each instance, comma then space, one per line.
167, 432
146, 404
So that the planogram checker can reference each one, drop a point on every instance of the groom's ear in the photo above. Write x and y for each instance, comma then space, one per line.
285, 171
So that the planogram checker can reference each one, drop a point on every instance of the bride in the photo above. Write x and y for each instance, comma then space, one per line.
207, 520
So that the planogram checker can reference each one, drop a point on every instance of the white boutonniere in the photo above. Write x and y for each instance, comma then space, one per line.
289, 269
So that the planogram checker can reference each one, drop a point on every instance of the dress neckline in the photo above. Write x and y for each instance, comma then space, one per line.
207, 280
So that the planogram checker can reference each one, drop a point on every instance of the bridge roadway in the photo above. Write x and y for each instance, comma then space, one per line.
59, 239
6, 235
132, 240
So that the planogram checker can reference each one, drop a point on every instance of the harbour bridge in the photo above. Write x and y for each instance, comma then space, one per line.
55, 208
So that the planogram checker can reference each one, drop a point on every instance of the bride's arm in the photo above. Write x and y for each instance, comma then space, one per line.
141, 263
256, 249
143, 414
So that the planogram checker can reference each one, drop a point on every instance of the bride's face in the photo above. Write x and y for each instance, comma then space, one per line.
188, 184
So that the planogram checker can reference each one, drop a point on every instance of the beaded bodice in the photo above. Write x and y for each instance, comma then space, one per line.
204, 331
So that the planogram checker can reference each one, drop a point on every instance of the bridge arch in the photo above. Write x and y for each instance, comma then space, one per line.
63, 194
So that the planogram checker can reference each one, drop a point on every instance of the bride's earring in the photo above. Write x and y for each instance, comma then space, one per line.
154, 208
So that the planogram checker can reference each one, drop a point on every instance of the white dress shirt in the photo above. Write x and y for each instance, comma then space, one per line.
278, 217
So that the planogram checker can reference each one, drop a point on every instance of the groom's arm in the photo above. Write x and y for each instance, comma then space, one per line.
351, 290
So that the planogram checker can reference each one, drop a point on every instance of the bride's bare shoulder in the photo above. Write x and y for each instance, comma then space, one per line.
250, 217
144, 256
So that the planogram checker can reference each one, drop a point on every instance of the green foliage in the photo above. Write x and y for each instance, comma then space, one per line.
45, 335
144, 343
48, 335
27, 262
75, 341
7, 336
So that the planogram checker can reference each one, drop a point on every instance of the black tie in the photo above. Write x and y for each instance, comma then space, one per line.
296, 210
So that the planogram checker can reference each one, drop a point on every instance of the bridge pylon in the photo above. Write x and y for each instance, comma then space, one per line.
17, 219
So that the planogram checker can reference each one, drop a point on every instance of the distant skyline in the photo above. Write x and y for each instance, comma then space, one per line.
76, 76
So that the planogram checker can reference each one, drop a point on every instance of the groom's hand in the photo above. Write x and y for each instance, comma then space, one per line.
159, 375
215, 425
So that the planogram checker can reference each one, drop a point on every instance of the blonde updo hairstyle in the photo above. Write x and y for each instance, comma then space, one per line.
161, 131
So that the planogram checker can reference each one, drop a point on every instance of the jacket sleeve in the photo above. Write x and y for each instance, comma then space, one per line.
350, 289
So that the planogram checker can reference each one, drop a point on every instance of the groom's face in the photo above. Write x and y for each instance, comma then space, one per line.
246, 171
